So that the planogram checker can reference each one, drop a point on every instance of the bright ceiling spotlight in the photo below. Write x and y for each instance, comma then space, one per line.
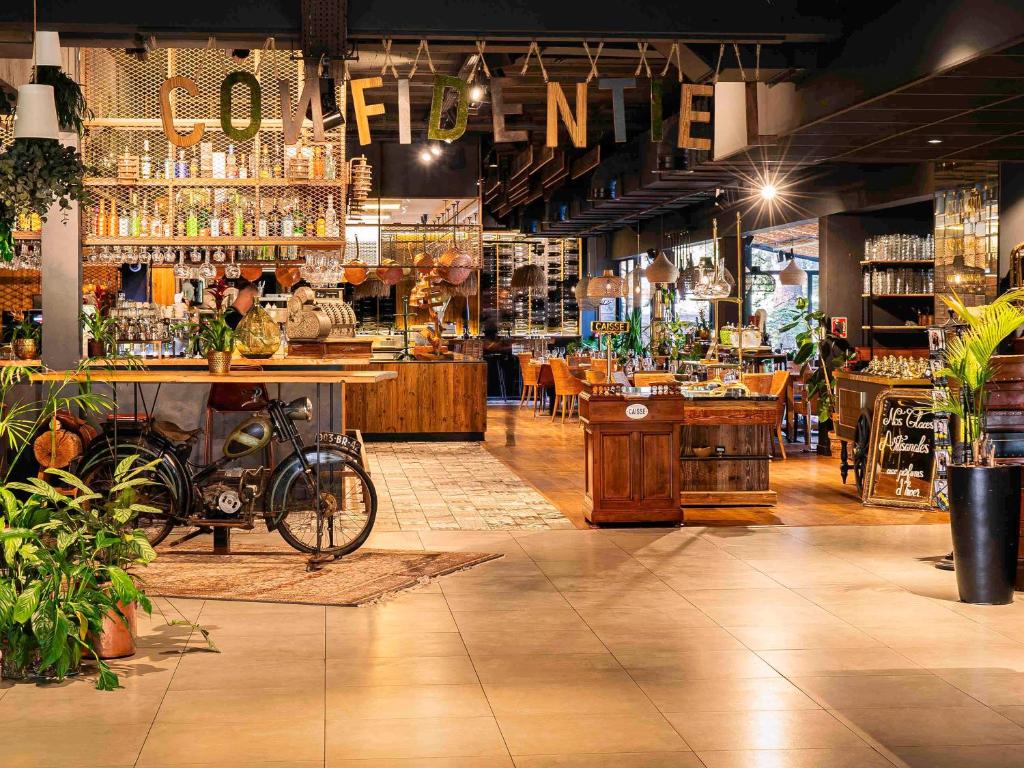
768, 192
435, 150
476, 92
426, 156
934, 141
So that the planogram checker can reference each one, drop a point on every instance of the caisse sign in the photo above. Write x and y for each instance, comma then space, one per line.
607, 327
637, 411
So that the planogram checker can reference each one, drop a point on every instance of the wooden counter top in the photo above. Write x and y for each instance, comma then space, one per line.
200, 362
887, 381
23, 363
142, 376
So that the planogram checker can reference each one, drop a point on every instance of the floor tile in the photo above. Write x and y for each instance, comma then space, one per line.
923, 727
385, 702
961, 757
274, 737
793, 729
868, 691
618, 760
803, 636
726, 695
699, 665
840, 661
414, 737
407, 670
567, 733
841, 757
82, 745
494, 643
611, 692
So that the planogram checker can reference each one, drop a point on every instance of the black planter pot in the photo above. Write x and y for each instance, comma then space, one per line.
984, 511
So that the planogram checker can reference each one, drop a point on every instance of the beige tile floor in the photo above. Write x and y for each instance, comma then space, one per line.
835, 647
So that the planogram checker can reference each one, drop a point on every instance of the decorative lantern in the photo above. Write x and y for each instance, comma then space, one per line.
607, 286
792, 274
662, 270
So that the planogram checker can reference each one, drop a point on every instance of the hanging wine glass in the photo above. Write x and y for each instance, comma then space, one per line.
181, 270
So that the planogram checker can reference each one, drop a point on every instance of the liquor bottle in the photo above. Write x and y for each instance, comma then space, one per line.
168, 167
179, 226
146, 163
215, 222
316, 170
181, 167
112, 220
287, 224
193, 164
192, 222
262, 227
264, 162
321, 224
135, 221
123, 224
243, 166
231, 163
100, 229
144, 223
274, 221
330, 169
250, 220
298, 220
156, 225
276, 170
239, 224
331, 227
35, 222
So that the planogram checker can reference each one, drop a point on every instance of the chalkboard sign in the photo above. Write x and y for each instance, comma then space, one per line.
901, 456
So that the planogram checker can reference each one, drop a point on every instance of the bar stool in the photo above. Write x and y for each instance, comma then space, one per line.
235, 398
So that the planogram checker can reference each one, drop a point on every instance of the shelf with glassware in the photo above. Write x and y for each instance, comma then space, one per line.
898, 286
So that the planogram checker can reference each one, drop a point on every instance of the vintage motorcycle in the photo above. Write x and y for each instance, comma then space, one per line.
319, 497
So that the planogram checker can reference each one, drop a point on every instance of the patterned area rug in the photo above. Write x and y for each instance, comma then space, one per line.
451, 487
279, 577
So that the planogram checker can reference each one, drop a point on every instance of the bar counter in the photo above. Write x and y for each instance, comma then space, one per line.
648, 455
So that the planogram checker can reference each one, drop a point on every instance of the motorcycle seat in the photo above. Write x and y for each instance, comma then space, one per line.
174, 433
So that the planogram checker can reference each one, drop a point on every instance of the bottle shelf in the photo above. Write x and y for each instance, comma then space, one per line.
23, 235
894, 327
898, 295
97, 181
898, 262
306, 242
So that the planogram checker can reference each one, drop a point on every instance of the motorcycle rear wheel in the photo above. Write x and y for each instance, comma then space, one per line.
348, 509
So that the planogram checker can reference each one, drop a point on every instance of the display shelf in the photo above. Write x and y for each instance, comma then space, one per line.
97, 181
898, 295
27, 235
898, 262
304, 242
894, 327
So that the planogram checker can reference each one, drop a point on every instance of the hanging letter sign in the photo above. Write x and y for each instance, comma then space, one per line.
188, 85
618, 86
362, 110
688, 116
558, 105
291, 126
255, 106
500, 109
434, 129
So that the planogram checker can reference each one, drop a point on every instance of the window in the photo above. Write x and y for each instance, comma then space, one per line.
765, 260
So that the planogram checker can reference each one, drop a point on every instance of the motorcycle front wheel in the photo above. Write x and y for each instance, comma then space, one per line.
347, 508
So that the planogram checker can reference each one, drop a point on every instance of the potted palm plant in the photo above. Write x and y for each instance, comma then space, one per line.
217, 340
984, 497
101, 333
25, 339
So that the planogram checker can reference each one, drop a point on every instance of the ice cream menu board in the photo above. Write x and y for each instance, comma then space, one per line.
901, 456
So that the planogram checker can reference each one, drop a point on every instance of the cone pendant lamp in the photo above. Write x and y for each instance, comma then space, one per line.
36, 113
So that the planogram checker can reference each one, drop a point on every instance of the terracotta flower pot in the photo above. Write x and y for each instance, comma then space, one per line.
117, 639
220, 362
25, 349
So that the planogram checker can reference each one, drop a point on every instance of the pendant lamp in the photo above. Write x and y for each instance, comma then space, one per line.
36, 114
964, 279
529, 276
662, 270
792, 274
607, 286
47, 49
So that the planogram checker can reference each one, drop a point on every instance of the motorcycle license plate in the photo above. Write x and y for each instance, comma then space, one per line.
341, 441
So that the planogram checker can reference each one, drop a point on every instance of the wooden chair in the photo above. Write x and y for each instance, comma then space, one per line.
803, 406
759, 383
530, 375
777, 389
235, 398
646, 378
567, 387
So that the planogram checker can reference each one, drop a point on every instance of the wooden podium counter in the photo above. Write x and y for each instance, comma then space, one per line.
640, 462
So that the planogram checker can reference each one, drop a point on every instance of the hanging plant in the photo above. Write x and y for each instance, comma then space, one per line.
35, 174
72, 111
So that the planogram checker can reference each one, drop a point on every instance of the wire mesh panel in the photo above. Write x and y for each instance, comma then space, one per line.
221, 190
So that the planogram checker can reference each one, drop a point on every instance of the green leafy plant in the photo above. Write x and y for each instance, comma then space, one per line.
26, 329
583, 345
72, 110
817, 345
969, 362
63, 561
35, 174
215, 335
633, 342
99, 328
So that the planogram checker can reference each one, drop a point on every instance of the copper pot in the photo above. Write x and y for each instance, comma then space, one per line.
25, 349
424, 262
455, 266
390, 272
356, 272
117, 639
219, 362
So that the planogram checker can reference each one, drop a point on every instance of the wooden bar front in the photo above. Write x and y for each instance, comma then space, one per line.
640, 464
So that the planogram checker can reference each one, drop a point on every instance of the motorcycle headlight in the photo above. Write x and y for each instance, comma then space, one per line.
299, 409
